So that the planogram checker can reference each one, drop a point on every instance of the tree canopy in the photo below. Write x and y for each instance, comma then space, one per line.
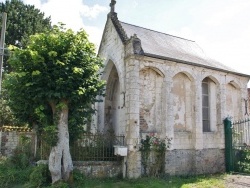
23, 20
56, 78
6, 115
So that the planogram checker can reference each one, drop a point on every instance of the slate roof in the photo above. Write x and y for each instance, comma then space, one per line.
164, 46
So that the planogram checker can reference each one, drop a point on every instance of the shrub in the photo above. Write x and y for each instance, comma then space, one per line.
22, 156
78, 177
10, 175
39, 177
17, 168
243, 160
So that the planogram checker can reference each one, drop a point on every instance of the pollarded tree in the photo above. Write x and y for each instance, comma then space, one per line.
58, 69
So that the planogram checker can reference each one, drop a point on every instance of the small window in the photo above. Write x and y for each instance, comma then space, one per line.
205, 106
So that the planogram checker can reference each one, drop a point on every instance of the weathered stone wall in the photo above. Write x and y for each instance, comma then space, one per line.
9, 140
232, 101
248, 110
192, 162
150, 84
99, 169
112, 50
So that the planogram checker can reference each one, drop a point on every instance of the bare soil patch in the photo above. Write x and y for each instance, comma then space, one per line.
237, 181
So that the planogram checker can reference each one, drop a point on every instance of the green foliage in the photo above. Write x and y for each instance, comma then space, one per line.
78, 176
153, 154
58, 65
39, 177
55, 81
152, 182
20, 159
17, 168
22, 156
242, 159
50, 135
6, 115
11, 177
10, 174
22, 21
60, 184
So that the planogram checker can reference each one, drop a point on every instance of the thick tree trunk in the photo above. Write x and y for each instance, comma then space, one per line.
60, 161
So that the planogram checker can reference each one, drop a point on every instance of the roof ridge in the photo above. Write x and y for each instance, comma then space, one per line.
121, 32
157, 31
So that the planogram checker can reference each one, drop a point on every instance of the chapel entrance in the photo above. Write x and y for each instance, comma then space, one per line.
112, 100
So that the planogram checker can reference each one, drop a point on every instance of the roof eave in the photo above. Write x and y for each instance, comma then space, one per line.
194, 64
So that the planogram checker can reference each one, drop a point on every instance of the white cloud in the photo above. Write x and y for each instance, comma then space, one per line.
72, 14
65, 12
233, 52
68, 13
95, 35
36, 3
135, 4
224, 15
93, 12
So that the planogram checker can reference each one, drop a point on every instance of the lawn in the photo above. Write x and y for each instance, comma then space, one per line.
149, 182
174, 182
17, 173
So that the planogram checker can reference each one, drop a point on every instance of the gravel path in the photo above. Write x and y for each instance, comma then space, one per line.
237, 181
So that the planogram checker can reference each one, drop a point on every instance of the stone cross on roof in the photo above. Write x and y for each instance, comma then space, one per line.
112, 5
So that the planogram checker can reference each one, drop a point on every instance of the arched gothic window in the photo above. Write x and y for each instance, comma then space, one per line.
206, 105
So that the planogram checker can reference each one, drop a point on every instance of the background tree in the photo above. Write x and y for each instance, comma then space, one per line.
22, 21
6, 115
57, 73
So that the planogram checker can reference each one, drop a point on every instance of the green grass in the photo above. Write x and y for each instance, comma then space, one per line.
174, 182
149, 182
12, 176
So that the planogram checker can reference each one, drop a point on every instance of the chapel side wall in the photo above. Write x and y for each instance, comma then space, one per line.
112, 51
196, 151
238, 85
248, 101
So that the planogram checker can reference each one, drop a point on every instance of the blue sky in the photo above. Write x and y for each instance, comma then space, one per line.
220, 27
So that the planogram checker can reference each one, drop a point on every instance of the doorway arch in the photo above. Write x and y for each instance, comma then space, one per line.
112, 102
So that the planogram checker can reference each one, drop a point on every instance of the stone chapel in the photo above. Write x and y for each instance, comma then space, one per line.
166, 85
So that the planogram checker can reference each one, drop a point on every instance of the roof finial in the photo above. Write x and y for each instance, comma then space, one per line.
112, 6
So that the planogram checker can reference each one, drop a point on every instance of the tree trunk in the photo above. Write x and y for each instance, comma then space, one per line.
60, 161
